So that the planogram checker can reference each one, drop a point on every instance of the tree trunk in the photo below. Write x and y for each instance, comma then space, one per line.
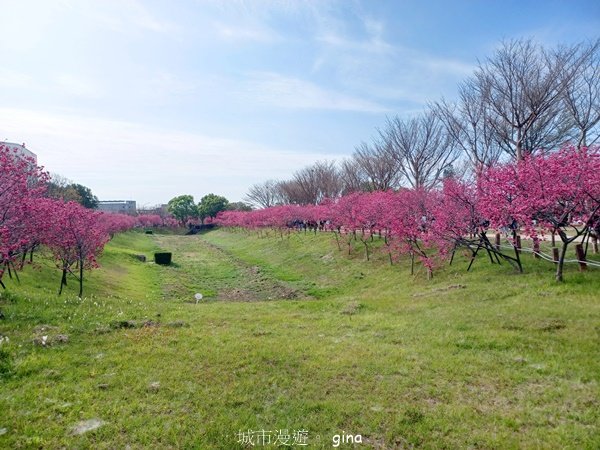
561, 262
80, 280
519, 145
16, 272
517, 252
366, 249
63, 280
583, 139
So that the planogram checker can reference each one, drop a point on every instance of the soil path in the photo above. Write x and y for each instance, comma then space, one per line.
201, 267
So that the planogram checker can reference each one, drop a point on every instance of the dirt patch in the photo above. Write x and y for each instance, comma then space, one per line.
206, 268
239, 295
546, 325
257, 293
178, 324
44, 328
437, 291
86, 425
352, 308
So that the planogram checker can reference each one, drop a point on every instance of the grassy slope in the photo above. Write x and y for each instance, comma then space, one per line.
505, 361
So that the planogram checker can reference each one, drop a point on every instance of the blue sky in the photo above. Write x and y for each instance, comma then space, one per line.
146, 100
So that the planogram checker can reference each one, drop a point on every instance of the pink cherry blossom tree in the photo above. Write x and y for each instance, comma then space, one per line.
76, 238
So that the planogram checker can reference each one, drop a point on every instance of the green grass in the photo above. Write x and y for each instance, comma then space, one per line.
294, 334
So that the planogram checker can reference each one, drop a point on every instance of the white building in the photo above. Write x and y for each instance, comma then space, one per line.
19, 149
118, 206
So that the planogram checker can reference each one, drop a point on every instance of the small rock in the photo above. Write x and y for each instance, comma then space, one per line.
61, 338
3, 431
86, 425
103, 386
141, 258
42, 341
154, 386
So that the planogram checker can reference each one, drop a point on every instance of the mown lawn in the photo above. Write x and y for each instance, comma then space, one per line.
294, 334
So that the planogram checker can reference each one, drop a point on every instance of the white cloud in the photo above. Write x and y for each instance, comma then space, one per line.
245, 33
373, 44
120, 160
369, 64
165, 85
63, 83
11, 79
287, 92
77, 86
125, 15
443, 66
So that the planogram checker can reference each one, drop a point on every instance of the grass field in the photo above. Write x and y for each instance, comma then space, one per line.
293, 334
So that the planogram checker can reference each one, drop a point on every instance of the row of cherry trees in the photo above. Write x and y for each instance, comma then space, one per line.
546, 194
74, 235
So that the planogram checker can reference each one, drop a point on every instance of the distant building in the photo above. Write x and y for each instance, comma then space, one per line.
160, 210
20, 150
118, 206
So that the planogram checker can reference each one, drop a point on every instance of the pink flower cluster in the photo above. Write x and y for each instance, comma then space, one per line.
75, 235
551, 193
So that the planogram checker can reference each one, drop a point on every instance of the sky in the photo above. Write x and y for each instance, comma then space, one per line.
146, 100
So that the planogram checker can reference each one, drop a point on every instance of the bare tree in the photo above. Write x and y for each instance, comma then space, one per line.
467, 125
352, 177
62, 188
420, 147
264, 195
313, 184
291, 193
522, 86
382, 171
581, 97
